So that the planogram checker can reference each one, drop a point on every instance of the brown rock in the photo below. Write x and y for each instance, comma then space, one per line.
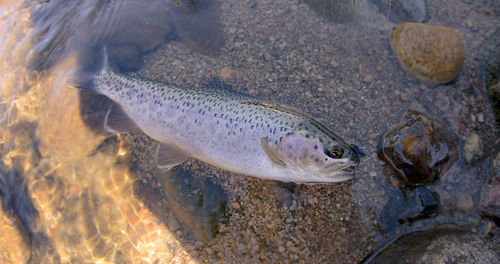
420, 149
433, 54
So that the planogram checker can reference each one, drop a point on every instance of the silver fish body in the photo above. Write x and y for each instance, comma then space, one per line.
229, 130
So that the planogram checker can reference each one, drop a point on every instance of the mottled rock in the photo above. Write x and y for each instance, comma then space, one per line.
14, 243
490, 204
400, 11
473, 147
420, 149
433, 54
441, 244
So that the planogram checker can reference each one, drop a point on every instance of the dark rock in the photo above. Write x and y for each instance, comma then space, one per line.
490, 204
420, 203
338, 11
400, 11
113, 23
491, 71
197, 203
420, 149
126, 58
145, 29
441, 244
198, 26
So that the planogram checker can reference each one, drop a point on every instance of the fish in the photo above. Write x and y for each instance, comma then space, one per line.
224, 128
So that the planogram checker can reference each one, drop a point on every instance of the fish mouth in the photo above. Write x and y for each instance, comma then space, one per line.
343, 166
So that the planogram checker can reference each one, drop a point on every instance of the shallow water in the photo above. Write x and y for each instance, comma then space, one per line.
82, 195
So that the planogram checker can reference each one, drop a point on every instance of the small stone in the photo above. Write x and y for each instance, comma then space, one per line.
373, 174
480, 118
442, 101
473, 147
236, 205
226, 73
267, 56
489, 228
465, 203
367, 78
433, 54
334, 63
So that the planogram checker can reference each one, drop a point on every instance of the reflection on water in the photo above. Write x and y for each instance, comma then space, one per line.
83, 194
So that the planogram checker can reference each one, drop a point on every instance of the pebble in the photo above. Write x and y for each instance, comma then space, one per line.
226, 73
465, 203
489, 228
367, 78
480, 118
473, 147
432, 54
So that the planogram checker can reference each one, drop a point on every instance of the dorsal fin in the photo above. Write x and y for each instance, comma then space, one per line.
294, 113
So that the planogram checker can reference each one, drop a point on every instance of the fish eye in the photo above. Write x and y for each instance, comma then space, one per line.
334, 153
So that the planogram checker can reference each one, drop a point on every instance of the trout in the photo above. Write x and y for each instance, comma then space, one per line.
226, 129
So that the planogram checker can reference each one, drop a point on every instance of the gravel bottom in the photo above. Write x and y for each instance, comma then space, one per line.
346, 75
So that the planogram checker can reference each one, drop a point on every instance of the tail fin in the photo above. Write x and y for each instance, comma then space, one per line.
84, 76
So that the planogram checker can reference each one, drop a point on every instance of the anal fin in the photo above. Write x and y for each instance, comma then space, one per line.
117, 121
168, 156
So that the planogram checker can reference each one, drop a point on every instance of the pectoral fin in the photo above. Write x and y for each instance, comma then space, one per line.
168, 156
117, 121
271, 153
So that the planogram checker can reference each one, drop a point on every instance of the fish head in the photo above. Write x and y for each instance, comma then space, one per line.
316, 154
